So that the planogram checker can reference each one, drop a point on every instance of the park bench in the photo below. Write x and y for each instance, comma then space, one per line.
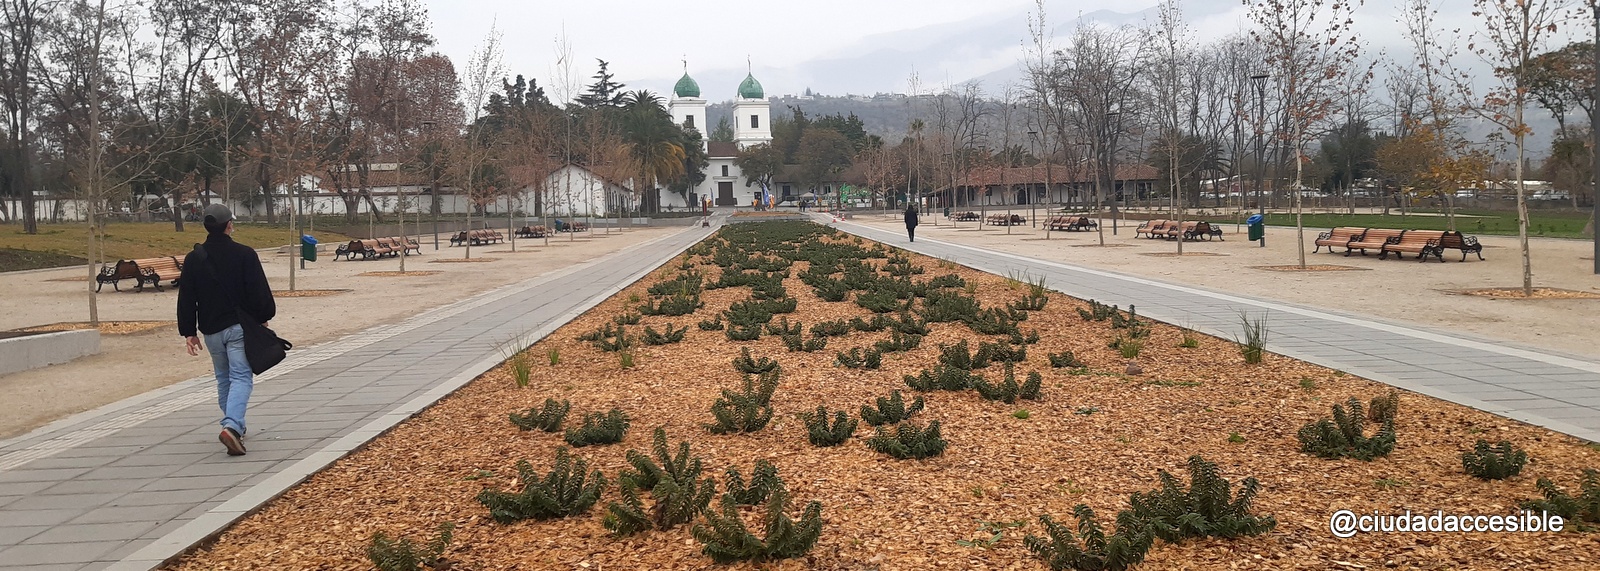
1083, 224
571, 226
153, 271
1341, 236
531, 232
400, 245
114, 273
1150, 227
1004, 220
349, 250
1453, 241
1414, 241
374, 248
1059, 223
477, 237
967, 216
408, 243
1201, 230
1373, 239
1174, 230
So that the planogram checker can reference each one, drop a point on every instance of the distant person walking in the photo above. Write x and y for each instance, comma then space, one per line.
227, 276
911, 222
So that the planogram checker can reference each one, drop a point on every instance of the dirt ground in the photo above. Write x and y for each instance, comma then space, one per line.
129, 365
1388, 290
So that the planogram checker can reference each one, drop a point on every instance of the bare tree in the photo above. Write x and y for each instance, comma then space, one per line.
1514, 32
473, 154
1096, 75
1170, 87
1310, 47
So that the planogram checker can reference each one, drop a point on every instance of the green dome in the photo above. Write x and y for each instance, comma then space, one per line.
750, 88
686, 87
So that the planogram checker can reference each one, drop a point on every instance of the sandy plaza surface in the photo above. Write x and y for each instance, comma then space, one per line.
133, 364
1405, 291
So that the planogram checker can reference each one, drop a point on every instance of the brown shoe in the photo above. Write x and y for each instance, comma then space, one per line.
230, 439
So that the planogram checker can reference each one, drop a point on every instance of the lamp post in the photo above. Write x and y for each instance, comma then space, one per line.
288, 171
1594, 131
1260, 82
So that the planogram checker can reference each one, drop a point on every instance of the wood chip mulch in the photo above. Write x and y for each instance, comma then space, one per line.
461, 260
106, 327
1310, 268
1107, 245
1097, 435
397, 274
308, 292
1538, 293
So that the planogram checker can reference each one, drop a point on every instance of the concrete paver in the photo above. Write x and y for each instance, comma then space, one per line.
131, 484
1553, 391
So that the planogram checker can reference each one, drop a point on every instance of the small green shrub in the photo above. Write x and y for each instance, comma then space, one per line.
402, 555
1030, 302
830, 290
908, 324
1020, 413
566, 490
1254, 343
1019, 339
890, 410
627, 318
1384, 407
625, 359
950, 281
1342, 437
1205, 509
547, 419
726, 539
1190, 341
877, 323
1065, 360
1127, 346
995, 322
782, 327
834, 328
1235, 438
713, 324
1097, 311
555, 356
743, 332
1090, 548
745, 364
878, 301
943, 378
674, 305
961, 357
598, 428
521, 369
856, 359
1581, 512
1004, 391
1496, 462
746, 410
763, 480
999, 353
651, 337
822, 434
944, 305
908, 441
897, 343
1031, 387
676, 489
617, 341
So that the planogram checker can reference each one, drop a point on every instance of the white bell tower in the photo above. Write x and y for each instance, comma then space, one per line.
688, 109
752, 123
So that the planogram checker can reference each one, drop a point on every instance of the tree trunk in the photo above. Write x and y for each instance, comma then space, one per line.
1522, 208
174, 210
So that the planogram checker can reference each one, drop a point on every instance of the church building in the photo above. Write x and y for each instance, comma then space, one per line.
752, 126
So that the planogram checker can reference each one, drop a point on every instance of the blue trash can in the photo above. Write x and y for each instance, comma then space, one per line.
308, 248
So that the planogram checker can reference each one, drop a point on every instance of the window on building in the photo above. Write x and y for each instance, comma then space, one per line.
755, 121
787, 191
724, 170
688, 121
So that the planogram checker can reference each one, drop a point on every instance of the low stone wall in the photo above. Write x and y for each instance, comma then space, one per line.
44, 349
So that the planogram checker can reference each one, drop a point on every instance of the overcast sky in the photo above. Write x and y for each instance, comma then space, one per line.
646, 41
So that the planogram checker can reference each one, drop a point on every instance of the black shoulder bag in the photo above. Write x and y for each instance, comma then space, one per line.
262, 348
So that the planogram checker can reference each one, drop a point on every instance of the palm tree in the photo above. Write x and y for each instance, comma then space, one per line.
654, 143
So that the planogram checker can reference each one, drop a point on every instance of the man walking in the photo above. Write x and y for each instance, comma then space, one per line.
211, 287
911, 222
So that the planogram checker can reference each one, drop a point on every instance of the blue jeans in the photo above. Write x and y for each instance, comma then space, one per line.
234, 379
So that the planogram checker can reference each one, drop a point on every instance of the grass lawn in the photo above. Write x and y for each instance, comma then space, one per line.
65, 244
1548, 223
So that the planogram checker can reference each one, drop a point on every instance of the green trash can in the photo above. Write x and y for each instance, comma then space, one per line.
1258, 227
308, 248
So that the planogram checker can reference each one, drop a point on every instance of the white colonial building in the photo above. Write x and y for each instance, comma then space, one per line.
752, 125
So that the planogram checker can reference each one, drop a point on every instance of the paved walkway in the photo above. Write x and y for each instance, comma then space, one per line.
1557, 392
134, 483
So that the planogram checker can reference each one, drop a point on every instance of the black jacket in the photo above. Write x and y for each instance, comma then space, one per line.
911, 218
203, 300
